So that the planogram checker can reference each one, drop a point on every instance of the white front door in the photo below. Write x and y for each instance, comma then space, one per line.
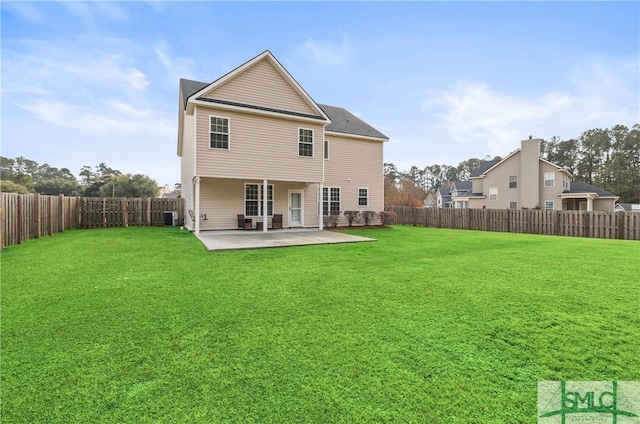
296, 209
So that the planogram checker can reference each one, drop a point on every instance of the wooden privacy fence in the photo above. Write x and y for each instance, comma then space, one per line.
612, 225
28, 216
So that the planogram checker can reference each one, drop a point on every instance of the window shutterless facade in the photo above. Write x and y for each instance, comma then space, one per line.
549, 179
218, 132
513, 205
305, 142
513, 181
363, 196
548, 205
493, 193
330, 200
254, 200
326, 149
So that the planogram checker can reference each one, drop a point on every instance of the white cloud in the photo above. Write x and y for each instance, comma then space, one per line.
327, 53
596, 93
97, 98
23, 10
176, 67
471, 112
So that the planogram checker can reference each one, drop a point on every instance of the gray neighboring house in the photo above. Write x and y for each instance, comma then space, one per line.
444, 197
523, 180
628, 207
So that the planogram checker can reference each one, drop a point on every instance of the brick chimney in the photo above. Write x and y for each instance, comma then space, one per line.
530, 173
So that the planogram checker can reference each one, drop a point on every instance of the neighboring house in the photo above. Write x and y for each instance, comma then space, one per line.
429, 201
523, 180
256, 127
459, 189
444, 197
628, 207
166, 192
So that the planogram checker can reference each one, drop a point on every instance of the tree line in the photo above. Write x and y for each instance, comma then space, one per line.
21, 175
606, 158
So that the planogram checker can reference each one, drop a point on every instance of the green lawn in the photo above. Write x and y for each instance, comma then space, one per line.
142, 325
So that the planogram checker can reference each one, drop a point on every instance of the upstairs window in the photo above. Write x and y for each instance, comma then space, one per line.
326, 149
513, 181
493, 193
549, 179
219, 133
305, 142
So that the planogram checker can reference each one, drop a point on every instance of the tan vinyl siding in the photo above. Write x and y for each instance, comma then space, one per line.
550, 193
604, 205
259, 147
187, 167
498, 177
354, 164
262, 85
223, 199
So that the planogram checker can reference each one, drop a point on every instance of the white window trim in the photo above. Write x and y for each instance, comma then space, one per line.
367, 197
325, 153
546, 202
228, 132
491, 189
515, 204
328, 188
553, 179
516, 181
313, 136
259, 200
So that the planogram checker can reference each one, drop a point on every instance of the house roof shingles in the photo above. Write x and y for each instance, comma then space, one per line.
482, 168
582, 187
189, 88
343, 121
462, 185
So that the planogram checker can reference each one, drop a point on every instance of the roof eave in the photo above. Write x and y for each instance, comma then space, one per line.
352, 135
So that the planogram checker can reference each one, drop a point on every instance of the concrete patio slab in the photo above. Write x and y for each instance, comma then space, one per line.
236, 240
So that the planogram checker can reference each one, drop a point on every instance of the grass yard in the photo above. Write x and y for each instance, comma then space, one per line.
142, 325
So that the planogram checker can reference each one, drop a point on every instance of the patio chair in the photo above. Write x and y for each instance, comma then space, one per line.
276, 222
244, 223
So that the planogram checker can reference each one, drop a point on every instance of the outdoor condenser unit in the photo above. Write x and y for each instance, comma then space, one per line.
170, 218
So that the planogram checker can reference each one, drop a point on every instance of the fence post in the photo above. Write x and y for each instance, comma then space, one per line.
35, 231
125, 212
620, 216
149, 211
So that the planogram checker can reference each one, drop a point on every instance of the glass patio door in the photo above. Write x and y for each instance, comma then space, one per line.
295, 208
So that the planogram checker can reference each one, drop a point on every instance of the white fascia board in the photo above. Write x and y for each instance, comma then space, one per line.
362, 137
210, 105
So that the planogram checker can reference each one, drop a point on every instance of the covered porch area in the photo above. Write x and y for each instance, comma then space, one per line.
251, 205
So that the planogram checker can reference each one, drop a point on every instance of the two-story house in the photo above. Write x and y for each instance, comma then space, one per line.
523, 180
254, 143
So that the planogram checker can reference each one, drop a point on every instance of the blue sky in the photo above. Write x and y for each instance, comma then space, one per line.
89, 82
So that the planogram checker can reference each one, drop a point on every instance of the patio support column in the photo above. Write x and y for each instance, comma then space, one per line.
196, 197
265, 205
589, 204
321, 207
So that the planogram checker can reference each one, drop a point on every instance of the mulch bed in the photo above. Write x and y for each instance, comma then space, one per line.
359, 227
